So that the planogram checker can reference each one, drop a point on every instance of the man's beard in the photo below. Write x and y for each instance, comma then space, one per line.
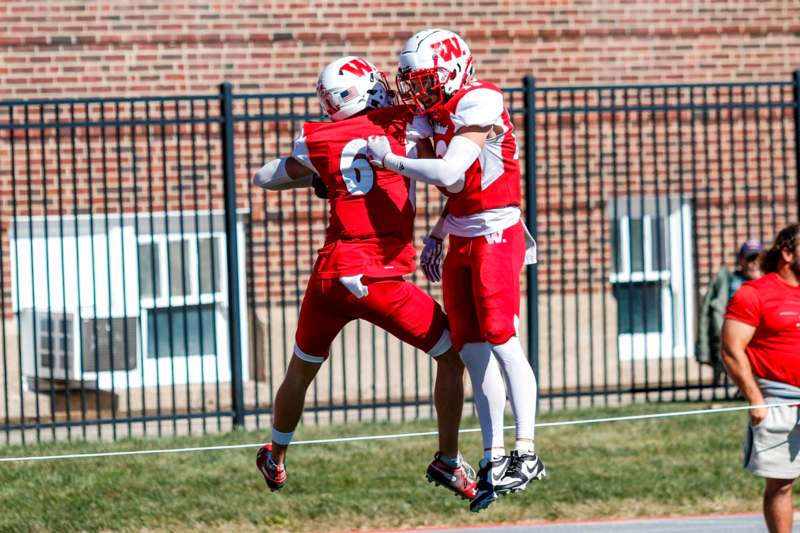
795, 265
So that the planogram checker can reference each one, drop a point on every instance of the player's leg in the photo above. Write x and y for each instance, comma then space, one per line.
489, 394
448, 468
525, 465
287, 407
497, 267
410, 314
777, 505
448, 399
490, 399
487, 381
320, 321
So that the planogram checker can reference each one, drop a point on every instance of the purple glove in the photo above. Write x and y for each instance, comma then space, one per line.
431, 258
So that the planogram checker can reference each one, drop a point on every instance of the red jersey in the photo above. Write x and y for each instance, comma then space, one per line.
493, 180
773, 307
371, 223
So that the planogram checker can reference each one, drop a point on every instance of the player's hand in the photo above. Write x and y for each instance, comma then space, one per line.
758, 415
377, 148
431, 258
320, 190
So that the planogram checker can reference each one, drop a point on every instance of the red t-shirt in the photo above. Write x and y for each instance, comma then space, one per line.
371, 221
773, 307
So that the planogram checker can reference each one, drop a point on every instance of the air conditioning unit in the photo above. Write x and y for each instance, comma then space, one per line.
58, 345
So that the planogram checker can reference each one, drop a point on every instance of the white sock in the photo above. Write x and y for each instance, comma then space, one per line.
282, 437
489, 393
523, 446
521, 388
494, 453
455, 462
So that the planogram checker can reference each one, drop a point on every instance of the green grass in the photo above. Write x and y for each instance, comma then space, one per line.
682, 465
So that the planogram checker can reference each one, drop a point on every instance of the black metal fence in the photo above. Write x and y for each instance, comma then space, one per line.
146, 287
643, 193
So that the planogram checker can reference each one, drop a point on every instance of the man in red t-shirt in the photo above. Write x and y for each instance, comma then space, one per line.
368, 249
761, 350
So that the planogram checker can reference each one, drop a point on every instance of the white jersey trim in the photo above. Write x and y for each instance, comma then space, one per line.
300, 152
484, 107
492, 221
442, 345
482, 223
308, 358
531, 251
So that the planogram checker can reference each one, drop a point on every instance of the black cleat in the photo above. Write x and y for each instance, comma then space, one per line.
490, 475
522, 469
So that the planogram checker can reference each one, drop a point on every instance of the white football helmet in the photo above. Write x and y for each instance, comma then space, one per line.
351, 84
434, 65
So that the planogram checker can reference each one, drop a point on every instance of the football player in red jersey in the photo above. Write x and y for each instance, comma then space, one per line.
368, 249
478, 169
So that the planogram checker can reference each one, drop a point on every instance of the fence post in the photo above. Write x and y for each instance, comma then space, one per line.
532, 271
796, 91
231, 252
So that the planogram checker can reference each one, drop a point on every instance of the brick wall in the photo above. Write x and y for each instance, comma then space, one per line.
55, 48
136, 47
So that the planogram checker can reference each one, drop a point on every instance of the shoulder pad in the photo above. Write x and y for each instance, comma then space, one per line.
478, 107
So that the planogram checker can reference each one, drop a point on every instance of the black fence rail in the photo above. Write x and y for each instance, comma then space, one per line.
146, 287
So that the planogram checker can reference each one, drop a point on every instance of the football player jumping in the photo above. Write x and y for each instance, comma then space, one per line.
478, 169
368, 249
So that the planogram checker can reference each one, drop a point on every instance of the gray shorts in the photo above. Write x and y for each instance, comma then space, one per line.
772, 448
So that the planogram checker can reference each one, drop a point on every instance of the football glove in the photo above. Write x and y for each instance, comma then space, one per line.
320, 190
431, 258
377, 148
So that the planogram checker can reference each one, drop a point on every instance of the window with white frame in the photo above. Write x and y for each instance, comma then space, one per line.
181, 290
135, 300
640, 273
652, 276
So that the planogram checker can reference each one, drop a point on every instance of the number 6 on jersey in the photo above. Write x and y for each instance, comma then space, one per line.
355, 168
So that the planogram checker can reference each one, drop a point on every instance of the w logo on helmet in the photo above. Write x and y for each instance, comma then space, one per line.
358, 66
448, 49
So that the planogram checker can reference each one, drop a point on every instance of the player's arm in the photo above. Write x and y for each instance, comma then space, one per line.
438, 232
741, 319
474, 119
283, 173
735, 338
444, 172
290, 172
477, 134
